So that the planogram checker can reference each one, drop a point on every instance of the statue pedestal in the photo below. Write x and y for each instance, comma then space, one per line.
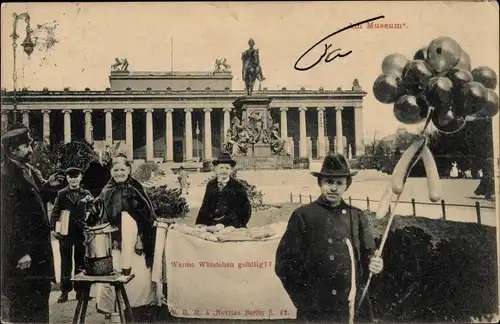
253, 111
275, 162
249, 106
261, 150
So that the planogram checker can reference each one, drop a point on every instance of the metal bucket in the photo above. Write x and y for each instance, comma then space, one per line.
98, 250
98, 242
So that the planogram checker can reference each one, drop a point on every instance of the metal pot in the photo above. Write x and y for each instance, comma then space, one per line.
98, 242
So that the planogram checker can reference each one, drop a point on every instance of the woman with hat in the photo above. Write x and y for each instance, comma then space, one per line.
313, 260
226, 201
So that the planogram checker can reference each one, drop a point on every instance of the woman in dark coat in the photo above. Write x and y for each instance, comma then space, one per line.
127, 207
487, 185
226, 201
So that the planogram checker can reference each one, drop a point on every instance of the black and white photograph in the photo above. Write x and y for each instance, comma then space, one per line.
250, 162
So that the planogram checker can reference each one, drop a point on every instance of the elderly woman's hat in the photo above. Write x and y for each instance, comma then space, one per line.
334, 165
224, 157
16, 137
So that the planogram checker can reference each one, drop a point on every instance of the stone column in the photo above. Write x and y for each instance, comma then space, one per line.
321, 132
227, 122
88, 125
129, 133
283, 122
46, 126
207, 134
5, 120
169, 135
149, 135
303, 138
189, 135
67, 126
309, 147
26, 118
109, 126
359, 131
291, 147
339, 143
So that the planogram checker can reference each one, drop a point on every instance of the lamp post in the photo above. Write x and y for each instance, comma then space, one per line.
197, 136
28, 45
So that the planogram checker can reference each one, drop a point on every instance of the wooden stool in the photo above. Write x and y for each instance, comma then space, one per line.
118, 281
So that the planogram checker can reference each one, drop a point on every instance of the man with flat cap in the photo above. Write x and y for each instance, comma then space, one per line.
313, 258
226, 201
27, 260
71, 207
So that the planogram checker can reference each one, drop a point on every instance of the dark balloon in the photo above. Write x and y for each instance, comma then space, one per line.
475, 96
443, 54
394, 64
459, 77
438, 91
387, 88
490, 107
408, 109
421, 54
416, 74
464, 62
486, 76
446, 122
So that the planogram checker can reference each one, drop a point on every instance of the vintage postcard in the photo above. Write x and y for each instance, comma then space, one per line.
271, 162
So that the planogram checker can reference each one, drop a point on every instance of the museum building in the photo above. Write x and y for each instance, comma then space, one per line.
183, 116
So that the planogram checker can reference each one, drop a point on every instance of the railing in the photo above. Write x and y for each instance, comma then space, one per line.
309, 198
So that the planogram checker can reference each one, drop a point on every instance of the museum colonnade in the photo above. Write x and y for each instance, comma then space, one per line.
322, 142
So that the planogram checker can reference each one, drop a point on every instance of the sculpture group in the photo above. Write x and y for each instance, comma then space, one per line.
120, 65
240, 139
221, 65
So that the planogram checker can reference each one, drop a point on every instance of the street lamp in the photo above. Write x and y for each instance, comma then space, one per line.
197, 136
28, 45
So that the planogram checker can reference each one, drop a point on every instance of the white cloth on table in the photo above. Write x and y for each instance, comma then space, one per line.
140, 290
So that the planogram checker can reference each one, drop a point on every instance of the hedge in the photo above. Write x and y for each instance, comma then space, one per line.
435, 271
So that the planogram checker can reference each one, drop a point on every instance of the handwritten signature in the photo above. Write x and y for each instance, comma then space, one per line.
327, 53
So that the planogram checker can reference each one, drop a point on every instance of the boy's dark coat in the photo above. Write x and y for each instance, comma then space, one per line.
309, 254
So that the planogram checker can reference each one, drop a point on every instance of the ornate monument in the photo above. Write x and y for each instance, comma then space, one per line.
254, 139
120, 65
251, 67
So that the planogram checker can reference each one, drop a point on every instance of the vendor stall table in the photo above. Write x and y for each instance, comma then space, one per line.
118, 281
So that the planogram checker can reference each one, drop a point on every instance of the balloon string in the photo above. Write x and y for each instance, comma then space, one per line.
393, 212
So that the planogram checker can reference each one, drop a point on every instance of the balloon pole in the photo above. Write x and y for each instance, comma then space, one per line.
378, 253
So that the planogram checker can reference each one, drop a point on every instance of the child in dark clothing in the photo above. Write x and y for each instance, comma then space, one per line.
71, 201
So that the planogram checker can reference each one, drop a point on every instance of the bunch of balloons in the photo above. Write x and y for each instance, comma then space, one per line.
438, 84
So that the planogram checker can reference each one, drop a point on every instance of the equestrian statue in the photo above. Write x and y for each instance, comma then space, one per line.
251, 67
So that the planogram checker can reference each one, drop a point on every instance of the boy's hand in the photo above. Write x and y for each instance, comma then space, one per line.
57, 236
376, 264
87, 198
56, 179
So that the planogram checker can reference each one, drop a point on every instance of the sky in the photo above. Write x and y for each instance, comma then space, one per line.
90, 36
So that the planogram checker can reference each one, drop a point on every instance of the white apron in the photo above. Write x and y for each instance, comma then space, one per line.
140, 290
